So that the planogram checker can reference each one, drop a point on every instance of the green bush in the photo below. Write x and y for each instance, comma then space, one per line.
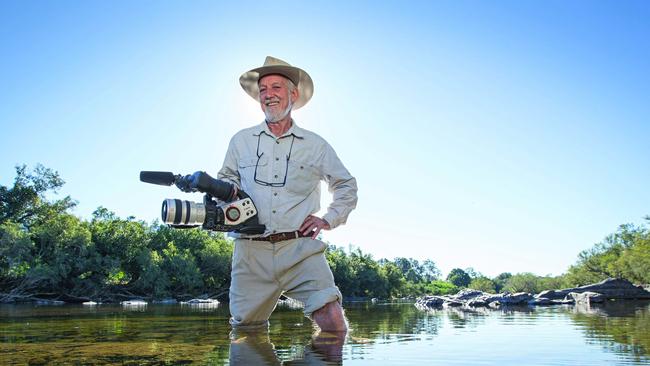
483, 284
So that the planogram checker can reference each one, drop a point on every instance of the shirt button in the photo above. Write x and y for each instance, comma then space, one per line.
276, 175
273, 211
277, 142
275, 193
276, 159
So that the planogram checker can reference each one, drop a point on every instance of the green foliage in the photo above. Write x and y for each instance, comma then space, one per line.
439, 287
25, 202
358, 275
472, 273
181, 269
483, 284
16, 250
551, 283
522, 282
459, 278
45, 251
153, 279
624, 254
415, 272
528, 282
500, 281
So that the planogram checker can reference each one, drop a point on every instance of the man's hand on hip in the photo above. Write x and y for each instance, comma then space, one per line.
313, 225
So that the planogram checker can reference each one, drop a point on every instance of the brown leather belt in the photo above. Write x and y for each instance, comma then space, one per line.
273, 238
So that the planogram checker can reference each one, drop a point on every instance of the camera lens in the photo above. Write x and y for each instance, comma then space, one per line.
180, 212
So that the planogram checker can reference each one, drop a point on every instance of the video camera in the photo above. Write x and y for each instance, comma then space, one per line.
236, 212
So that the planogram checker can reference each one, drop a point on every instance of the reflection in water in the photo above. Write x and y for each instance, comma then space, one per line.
612, 333
622, 327
255, 348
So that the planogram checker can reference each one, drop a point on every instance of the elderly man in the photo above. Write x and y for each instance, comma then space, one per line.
280, 165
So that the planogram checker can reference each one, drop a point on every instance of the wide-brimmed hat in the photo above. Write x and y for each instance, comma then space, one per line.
273, 65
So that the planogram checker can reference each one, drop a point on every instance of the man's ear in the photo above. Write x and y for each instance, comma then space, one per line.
294, 95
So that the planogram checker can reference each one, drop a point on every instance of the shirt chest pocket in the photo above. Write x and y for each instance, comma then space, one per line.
247, 167
302, 177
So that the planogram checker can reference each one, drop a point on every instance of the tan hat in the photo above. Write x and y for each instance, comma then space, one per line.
273, 65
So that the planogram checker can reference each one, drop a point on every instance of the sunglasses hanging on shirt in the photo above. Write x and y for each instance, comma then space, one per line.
286, 170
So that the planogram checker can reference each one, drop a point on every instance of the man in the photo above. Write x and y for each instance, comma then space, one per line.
280, 165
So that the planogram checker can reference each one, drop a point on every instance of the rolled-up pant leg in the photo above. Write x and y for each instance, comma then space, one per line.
310, 279
254, 291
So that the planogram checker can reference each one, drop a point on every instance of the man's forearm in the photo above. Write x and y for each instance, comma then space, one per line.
344, 201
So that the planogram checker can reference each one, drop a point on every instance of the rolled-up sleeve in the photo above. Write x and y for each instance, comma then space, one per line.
342, 185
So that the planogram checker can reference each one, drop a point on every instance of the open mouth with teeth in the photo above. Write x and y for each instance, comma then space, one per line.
270, 103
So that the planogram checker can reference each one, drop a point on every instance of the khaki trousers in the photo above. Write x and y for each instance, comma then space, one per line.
262, 271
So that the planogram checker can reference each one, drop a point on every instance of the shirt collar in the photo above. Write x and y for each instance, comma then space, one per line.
293, 130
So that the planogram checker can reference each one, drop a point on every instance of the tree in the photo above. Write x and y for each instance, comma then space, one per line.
410, 268
624, 254
430, 271
472, 273
459, 278
483, 284
438, 287
522, 282
500, 281
25, 202
394, 279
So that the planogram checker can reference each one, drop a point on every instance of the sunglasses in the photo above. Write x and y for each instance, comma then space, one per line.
286, 170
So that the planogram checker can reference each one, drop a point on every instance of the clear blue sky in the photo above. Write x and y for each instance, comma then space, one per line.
506, 136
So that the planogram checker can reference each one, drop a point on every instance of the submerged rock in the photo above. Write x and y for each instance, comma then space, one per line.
166, 301
135, 302
430, 302
586, 297
200, 302
540, 301
50, 302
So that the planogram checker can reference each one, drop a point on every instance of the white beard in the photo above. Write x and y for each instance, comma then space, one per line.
271, 117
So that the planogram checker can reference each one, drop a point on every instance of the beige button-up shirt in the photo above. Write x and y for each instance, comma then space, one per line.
282, 175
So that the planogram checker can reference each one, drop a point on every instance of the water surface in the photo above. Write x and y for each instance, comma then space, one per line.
617, 333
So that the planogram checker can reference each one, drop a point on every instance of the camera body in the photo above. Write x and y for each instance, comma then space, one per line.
224, 208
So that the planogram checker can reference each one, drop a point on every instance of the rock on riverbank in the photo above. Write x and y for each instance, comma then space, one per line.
608, 289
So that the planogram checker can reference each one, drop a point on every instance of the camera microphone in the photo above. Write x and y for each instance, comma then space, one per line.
159, 178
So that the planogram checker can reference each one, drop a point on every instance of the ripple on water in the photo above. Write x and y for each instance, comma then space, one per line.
615, 334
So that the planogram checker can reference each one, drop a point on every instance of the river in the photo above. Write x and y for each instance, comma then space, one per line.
616, 333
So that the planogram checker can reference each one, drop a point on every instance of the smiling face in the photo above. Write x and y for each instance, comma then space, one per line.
277, 96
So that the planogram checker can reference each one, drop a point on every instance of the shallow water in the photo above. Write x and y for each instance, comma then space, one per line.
617, 333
